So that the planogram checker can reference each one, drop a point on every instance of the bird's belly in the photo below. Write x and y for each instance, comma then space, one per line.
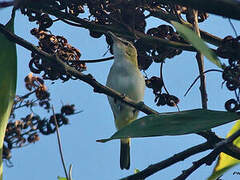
129, 86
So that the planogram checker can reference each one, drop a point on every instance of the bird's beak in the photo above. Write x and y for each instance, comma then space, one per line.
113, 36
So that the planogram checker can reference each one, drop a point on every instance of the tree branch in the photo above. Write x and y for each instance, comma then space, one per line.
200, 61
147, 39
60, 144
210, 158
159, 13
170, 161
225, 8
86, 78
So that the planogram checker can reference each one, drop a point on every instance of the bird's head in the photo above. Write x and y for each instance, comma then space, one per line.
123, 49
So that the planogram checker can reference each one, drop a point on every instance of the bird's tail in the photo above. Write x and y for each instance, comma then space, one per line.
125, 154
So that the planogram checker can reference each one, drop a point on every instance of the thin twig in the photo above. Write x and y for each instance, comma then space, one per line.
91, 61
200, 62
70, 172
59, 144
210, 158
161, 76
70, 23
234, 30
205, 160
27, 95
210, 70
26, 104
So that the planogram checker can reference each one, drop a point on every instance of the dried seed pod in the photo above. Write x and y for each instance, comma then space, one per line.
231, 105
155, 83
231, 86
45, 104
42, 93
32, 138
161, 100
144, 61
227, 75
28, 81
68, 109
6, 153
44, 22
175, 99
57, 46
172, 100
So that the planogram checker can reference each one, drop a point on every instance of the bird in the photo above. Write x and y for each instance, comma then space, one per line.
126, 78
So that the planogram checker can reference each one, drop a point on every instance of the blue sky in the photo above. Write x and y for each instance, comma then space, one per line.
92, 160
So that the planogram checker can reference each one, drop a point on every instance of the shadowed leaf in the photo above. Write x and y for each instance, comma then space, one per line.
8, 78
174, 123
197, 42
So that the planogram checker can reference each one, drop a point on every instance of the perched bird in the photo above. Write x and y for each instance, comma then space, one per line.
126, 78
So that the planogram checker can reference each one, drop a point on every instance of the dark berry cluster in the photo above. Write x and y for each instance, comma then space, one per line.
231, 74
116, 13
43, 20
54, 45
72, 7
148, 54
229, 49
26, 130
161, 99
130, 16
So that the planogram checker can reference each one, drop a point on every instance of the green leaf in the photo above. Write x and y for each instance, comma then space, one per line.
174, 123
61, 178
197, 42
226, 162
8, 79
137, 171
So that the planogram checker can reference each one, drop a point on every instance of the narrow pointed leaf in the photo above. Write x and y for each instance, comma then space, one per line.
174, 123
197, 42
8, 78
226, 162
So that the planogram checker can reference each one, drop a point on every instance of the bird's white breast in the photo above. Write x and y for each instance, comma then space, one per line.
125, 78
